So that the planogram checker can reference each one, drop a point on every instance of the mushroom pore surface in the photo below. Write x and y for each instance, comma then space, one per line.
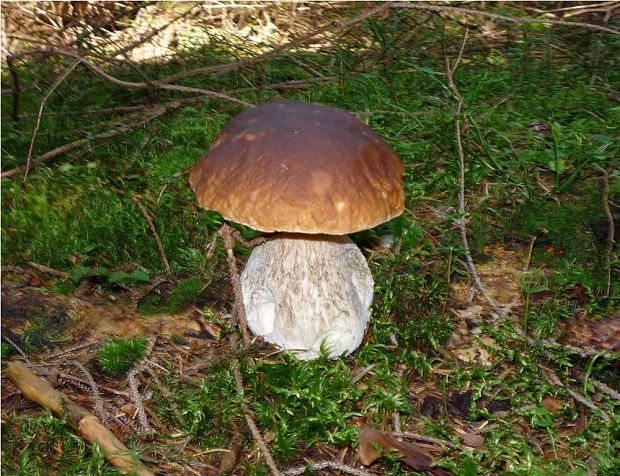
304, 292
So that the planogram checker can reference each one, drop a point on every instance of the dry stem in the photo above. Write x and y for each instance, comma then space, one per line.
99, 410
145, 119
325, 465
49, 92
88, 425
160, 247
611, 230
228, 235
494, 16
461, 155
252, 425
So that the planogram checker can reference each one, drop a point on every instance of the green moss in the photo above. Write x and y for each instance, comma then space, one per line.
182, 295
43, 444
117, 356
304, 402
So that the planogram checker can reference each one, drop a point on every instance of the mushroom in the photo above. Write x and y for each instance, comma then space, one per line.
314, 174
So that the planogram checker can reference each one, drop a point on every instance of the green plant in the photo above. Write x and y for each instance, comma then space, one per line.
531, 282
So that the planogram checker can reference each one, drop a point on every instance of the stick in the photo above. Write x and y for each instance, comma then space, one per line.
154, 114
88, 425
49, 92
144, 39
160, 247
99, 410
15, 88
324, 465
494, 16
227, 234
252, 425
424, 438
220, 68
143, 85
461, 154
611, 230
576, 395
47, 270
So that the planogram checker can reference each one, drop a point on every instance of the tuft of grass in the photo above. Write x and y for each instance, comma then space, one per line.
117, 355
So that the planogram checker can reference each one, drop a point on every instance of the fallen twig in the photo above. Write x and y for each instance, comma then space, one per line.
47, 270
68, 350
576, 395
156, 84
88, 425
461, 156
611, 230
228, 235
99, 410
239, 318
160, 247
145, 119
293, 84
14, 88
252, 424
156, 31
494, 16
325, 465
426, 439
136, 397
49, 92
16, 347
221, 68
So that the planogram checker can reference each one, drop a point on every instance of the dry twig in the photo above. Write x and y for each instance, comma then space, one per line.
136, 397
426, 439
611, 230
228, 235
17, 348
260, 441
494, 16
461, 156
15, 88
47, 270
160, 247
49, 92
144, 119
325, 465
576, 395
157, 84
221, 68
88, 425
99, 410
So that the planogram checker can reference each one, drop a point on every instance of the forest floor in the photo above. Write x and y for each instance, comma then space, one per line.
116, 288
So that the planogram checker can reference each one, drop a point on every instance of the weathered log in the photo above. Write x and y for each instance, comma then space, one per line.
87, 425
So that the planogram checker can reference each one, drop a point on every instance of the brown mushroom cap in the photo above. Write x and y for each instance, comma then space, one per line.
301, 168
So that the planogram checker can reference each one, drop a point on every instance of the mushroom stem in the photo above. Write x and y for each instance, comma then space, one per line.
306, 293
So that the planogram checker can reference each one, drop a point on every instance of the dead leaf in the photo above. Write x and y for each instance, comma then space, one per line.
552, 404
472, 439
413, 456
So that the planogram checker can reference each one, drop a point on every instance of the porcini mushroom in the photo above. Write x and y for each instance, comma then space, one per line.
314, 174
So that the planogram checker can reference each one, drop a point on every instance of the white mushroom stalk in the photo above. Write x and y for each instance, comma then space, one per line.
308, 293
